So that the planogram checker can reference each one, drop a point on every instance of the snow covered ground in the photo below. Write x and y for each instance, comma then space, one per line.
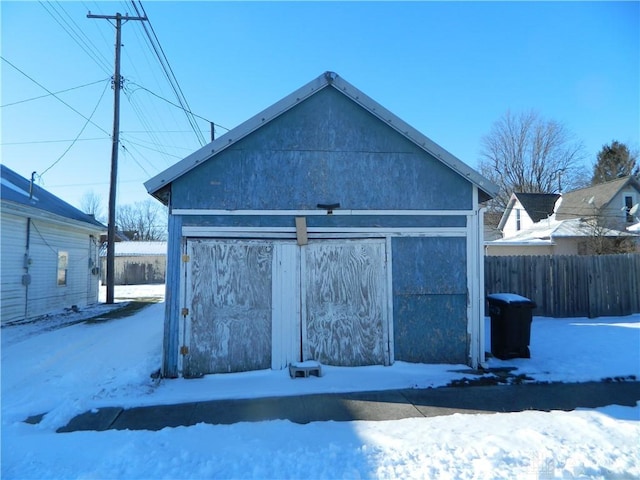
60, 370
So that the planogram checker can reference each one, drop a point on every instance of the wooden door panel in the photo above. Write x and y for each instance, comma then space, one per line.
345, 302
230, 297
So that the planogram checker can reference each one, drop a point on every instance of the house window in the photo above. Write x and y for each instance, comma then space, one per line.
63, 263
628, 204
518, 219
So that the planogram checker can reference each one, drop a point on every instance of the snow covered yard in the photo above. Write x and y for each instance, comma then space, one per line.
65, 371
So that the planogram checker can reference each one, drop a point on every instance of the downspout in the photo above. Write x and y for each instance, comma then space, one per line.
26, 278
481, 253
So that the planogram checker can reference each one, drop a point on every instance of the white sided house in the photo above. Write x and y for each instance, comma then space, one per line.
526, 209
574, 223
49, 251
324, 228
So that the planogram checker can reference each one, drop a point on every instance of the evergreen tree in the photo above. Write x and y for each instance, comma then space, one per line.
614, 161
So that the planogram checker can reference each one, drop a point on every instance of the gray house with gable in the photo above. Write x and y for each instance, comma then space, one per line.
323, 228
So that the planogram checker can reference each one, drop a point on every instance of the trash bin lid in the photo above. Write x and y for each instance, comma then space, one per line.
509, 299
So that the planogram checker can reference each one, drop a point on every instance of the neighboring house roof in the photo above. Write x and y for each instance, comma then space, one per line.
156, 186
16, 189
537, 205
137, 249
585, 202
545, 231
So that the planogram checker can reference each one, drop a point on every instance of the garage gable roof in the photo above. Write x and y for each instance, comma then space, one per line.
156, 185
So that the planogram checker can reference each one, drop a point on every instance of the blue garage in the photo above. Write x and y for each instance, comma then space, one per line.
323, 228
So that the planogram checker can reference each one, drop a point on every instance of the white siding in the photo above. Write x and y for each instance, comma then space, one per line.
13, 238
616, 214
43, 295
511, 225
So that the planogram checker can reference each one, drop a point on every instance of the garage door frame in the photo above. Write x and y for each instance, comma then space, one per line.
288, 340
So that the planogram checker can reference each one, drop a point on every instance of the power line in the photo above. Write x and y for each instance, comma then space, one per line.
159, 121
85, 184
126, 151
55, 96
152, 149
168, 71
143, 120
55, 93
140, 87
84, 43
160, 131
79, 133
33, 142
117, 85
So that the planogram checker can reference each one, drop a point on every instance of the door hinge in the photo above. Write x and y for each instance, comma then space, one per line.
184, 350
185, 258
185, 312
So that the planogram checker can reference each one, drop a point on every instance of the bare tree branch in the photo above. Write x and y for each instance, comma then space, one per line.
526, 153
143, 221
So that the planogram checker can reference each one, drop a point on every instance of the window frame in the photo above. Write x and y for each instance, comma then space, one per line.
62, 268
628, 205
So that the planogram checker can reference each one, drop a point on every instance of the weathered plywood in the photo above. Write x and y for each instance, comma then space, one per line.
14, 293
344, 294
230, 306
326, 149
430, 299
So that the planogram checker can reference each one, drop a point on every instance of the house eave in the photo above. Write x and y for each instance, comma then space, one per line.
539, 243
13, 208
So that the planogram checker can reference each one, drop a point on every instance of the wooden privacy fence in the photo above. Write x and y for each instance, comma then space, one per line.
569, 286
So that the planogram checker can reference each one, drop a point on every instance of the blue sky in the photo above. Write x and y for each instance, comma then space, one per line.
450, 69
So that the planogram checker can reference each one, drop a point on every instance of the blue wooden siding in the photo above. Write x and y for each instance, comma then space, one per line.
327, 149
325, 221
172, 301
430, 299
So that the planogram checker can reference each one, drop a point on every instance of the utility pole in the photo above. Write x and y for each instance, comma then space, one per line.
117, 85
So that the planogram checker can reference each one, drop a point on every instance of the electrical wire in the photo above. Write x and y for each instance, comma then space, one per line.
168, 71
143, 120
53, 141
129, 141
55, 96
140, 87
125, 150
79, 133
54, 93
84, 43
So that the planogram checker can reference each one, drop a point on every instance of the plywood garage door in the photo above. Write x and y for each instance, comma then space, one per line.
229, 286
243, 313
345, 299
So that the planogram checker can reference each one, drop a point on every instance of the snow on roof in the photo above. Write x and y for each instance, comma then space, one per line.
20, 191
508, 298
137, 249
635, 228
545, 231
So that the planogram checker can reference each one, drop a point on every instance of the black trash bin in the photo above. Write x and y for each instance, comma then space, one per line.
511, 317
